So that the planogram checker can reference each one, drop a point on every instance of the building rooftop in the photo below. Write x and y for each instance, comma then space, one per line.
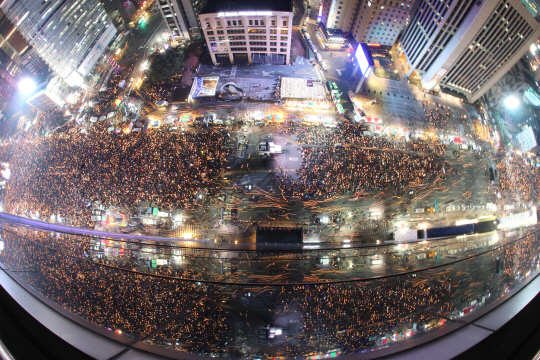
215, 6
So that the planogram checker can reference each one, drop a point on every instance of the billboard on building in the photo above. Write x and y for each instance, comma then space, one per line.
97, 50
204, 86
364, 58
439, 75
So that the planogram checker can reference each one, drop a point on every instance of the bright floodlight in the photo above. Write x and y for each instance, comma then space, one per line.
26, 86
511, 102
6, 174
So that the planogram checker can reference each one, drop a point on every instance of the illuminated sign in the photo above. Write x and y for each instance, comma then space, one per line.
204, 86
363, 57
438, 75
368, 72
244, 13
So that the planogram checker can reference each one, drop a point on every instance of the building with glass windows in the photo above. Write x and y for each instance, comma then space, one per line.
368, 21
181, 17
465, 47
245, 32
69, 36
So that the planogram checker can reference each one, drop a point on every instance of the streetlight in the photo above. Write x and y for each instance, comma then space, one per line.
27, 86
511, 102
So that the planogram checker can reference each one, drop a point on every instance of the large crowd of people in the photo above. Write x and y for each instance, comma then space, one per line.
159, 93
347, 160
436, 119
206, 317
329, 171
518, 177
64, 173
356, 136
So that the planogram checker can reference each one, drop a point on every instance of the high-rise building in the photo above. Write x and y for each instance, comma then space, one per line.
467, 46
368, 21
380, 22
181, 17
243, 32
14, 64
33, 63
69, 35
9, 72
17, 49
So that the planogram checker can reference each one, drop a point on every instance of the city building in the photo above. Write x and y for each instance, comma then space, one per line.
464, 46
9, 72
368, 21
528, 140
69, 36
13, 44
51, 96
518, 82
43, 100
181, 17
33, 63
380, 21
15, 64
243, 32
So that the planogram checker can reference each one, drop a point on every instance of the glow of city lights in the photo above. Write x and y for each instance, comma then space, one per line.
511, 102
244, 13
6, 173
27, 86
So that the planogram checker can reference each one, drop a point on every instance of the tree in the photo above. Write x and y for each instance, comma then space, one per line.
195, 48
191, 62
187, 77
165, 66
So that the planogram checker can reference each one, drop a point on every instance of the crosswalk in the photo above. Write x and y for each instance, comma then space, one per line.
304, 72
